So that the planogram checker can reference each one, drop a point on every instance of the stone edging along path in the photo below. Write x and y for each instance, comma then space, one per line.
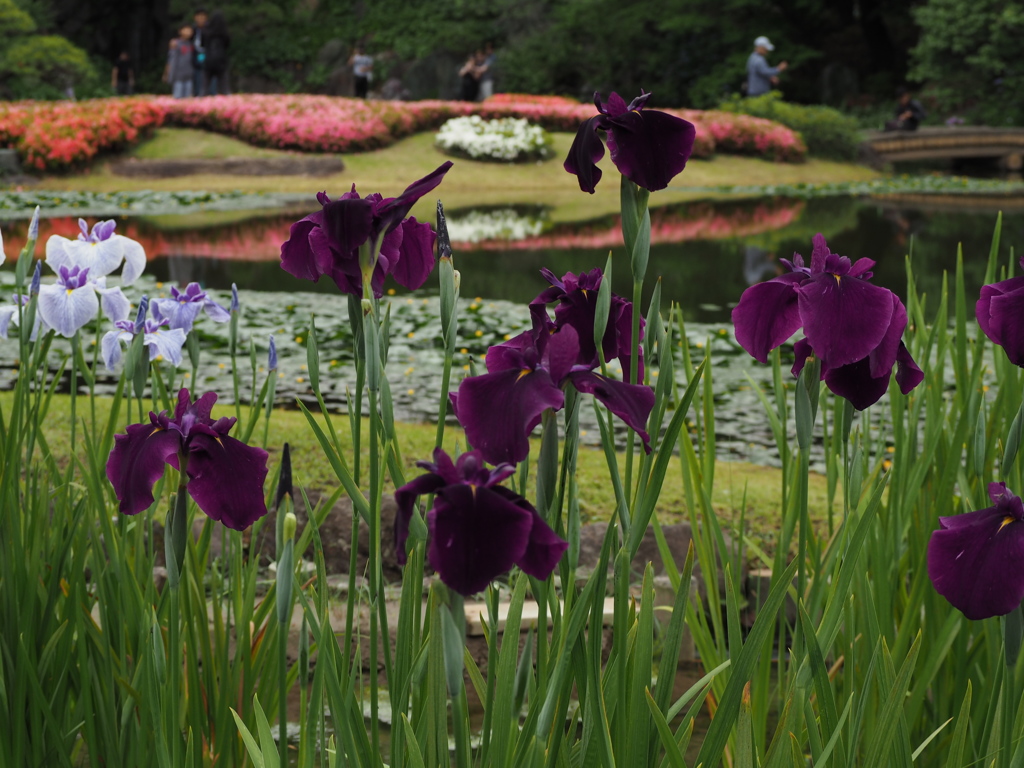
297, 165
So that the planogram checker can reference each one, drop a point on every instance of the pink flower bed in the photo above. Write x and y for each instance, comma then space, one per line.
334, 124
59, 135
56, 135
737, 134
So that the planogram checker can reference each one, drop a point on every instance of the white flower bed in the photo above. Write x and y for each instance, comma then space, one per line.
506, 140
502, 224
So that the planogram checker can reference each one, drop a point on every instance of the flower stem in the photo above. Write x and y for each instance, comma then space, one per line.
634, 368
373, 568
175, 532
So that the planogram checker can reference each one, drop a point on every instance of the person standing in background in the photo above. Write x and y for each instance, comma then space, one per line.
362, 71
470, 76
179, 71
216, 41
199, 51
122, 76
487, 72
760, 77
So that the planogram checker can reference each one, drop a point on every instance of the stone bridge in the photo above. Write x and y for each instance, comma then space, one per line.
936, 143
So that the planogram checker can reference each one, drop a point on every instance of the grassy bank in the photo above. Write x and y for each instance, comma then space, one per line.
468, 184
734, 481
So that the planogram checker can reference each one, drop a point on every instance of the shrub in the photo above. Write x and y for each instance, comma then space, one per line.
58, 135
42, 61
827, 132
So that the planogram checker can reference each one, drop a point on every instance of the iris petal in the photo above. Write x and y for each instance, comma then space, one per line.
476, 535
844, 318
586, 150
908, 374
975, 564
630, 402
296, 252
57, 253
226, 479
500, 410
167, 343
883, 357
856, 384
649, 147
113, 301
134, 259
137, 462
405, 497
66, 311
110, 347
215, 311
545, 547
100, 258
416, 255
180, 314
348, 224
767, 315
1003, 320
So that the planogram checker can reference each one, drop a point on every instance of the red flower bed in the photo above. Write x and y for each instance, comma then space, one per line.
55, 135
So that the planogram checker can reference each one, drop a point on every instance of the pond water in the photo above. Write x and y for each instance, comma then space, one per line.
706, 253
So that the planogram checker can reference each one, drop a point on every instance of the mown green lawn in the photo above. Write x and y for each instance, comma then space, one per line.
469, 184
734, 481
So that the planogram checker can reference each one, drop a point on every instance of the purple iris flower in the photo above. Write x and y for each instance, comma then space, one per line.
183, 307
577, 305
648, 147
1000, 313
974, 558
225, 476
272, 356
71, 302
478, 528
327, 242
235, 305
100, 250
854, 328
526, 375
162, 342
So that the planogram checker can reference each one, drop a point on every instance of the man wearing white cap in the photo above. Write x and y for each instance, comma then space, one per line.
761, 77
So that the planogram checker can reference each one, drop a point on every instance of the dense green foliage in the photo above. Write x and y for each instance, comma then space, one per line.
968, 55
826, 131
34, 65
679, 49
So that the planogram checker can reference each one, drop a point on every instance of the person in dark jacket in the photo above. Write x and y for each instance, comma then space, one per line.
909, 112
216, 42
122, 76
200, 20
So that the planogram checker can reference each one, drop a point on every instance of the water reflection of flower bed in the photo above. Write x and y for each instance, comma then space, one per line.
701, 221
519, 228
